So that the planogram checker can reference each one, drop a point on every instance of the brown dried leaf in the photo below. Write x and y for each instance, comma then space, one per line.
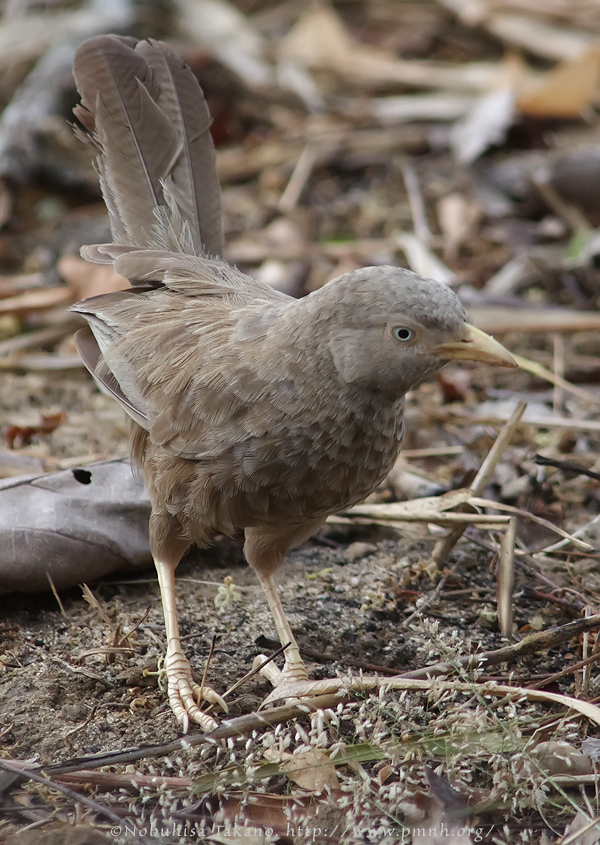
85, 279
22, 435
76, 525
439, 816
312, 770
587, 830
564, 91
320, 40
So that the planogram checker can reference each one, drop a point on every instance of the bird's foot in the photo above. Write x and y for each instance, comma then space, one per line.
185, 694
292, 683
292, 671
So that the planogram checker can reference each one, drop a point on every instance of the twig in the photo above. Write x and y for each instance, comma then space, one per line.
586, 674
254, 671
537, 369
566, 466
81, 726
570, 670
416, 203
81, 670
583, 530
240, 726
243, 725
55, 594
211, 651
558, 346
571, 215
298, 179
444, 546
550, 421
495, 454
69, 793
576, 835
432, 452
538, 595
540, 641
428, 600
40, 337
506, 578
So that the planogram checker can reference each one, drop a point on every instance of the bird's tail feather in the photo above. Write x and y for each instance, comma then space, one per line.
145, 115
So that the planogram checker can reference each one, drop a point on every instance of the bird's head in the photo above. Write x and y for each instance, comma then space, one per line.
389, 329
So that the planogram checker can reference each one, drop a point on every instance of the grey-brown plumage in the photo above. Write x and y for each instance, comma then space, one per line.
141, 112
250, 410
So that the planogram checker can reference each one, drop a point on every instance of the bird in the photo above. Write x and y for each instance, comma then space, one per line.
250, 411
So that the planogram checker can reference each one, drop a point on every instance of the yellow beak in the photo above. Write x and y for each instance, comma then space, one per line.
475, 345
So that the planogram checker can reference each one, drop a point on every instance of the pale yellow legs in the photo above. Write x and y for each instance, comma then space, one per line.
294, 668
183, 691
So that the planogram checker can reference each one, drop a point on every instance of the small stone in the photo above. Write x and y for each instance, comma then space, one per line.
488, 618
357, 550
75, 712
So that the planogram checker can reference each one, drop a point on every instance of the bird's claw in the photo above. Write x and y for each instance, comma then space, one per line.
185, 694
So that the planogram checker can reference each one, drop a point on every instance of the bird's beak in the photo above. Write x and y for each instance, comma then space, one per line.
475, 345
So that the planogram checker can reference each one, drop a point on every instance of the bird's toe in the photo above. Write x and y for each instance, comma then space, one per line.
208, 694
183, 695
292, 672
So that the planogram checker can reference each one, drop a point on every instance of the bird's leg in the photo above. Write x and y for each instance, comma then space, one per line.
184, 693
265, 552
294, 668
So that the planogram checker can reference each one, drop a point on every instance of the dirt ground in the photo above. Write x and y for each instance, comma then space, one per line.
343, 592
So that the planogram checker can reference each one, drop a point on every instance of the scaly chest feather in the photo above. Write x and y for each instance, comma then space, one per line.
298, 474
305, 472
347, 459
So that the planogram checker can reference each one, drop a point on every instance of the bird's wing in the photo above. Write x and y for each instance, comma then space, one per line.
170, 350
186, 274
178, 350
144, 113
90, 354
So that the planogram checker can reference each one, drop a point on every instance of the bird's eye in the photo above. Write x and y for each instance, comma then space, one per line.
402, 333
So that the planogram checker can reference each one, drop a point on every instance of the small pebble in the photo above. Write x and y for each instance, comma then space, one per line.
357, 550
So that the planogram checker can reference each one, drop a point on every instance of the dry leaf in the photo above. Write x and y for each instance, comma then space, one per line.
559, 758
591, 747
86, 280
485, 124
319, 39
440, 817
312, 770
588, 830
77, 525
564, 91
22, 435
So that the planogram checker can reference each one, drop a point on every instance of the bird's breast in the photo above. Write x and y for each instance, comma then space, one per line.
349, 458
308, 471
